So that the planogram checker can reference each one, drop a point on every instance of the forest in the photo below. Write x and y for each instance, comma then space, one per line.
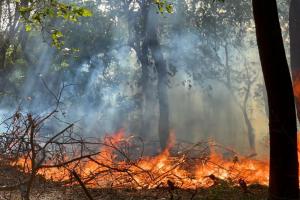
149, 99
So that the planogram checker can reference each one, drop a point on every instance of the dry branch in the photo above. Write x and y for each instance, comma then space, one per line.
89, 196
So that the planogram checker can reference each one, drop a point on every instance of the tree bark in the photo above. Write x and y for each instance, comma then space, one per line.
163, 126
3, 49
284, 180
143, 55
294, 25
162, 76
146, 43
137, 23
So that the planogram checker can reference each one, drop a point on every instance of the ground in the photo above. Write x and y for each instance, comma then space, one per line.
221, 192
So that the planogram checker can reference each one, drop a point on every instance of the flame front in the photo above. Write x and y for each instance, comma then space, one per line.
107, 169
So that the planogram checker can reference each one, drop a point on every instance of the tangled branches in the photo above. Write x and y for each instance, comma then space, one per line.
117, 161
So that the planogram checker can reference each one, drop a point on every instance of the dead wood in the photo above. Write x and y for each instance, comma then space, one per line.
88, 195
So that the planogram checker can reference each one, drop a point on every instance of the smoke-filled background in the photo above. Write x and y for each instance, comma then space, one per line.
195, 72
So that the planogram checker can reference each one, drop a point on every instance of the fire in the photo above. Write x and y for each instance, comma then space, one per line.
113, 167
296, 87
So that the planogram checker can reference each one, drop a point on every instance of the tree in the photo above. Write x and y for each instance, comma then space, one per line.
284, 180
144, 24
18, 18
162, 79
137, 24
151, 45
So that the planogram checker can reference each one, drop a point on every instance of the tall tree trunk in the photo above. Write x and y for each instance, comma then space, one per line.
143, 55
137, 40
146, 41
284, 180
294, 24
146, 95
162, 75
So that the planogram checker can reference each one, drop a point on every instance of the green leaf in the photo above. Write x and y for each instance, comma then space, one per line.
58, 34
86, 13
164, 5
28, 28
57, 39
169, 8
24, 9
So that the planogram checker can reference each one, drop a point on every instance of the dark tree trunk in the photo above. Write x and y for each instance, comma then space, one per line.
137, 23
284, 180
146, 93
143, 56
146, 43
162, 75
3, 49
295, 49
161, 68
3, 68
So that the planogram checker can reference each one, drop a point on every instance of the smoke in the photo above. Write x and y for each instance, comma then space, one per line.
102, 85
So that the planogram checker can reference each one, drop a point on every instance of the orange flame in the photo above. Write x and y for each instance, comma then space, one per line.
296, 86
107, 170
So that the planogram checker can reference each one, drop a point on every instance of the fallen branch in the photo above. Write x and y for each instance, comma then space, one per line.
89, 196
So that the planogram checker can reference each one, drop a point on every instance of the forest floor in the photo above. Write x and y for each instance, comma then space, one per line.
47, 190
75, 193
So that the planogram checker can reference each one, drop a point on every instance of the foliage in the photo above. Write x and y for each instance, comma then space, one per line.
164, 5
37, 14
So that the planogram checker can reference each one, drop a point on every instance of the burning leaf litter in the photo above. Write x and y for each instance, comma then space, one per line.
118, 165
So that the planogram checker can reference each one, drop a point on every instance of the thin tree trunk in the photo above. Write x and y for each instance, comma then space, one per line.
250, 132
243, 106
250, 129
284, 180
228, 68
294, 24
